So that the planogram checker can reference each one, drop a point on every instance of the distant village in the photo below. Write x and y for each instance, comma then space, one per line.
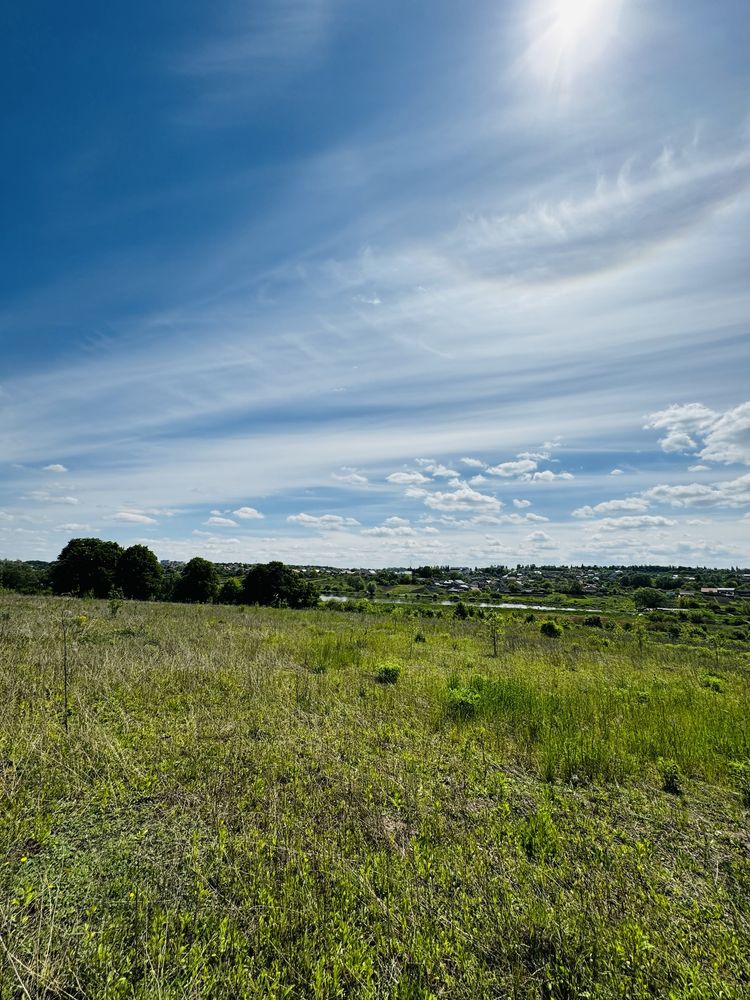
522, 580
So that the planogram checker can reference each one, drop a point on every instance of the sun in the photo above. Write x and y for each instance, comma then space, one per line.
569, 36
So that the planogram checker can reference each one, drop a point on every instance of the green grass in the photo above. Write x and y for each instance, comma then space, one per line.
240, 809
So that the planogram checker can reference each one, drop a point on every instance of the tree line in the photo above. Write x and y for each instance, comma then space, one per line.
91, 567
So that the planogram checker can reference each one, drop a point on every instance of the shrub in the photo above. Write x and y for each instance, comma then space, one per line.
388, 673
713, 683
671, 776
551, 629
462, 702
593, 621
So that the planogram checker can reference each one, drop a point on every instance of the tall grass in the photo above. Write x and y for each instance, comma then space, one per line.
239, 809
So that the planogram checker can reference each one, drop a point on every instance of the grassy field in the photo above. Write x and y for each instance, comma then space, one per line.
256, 803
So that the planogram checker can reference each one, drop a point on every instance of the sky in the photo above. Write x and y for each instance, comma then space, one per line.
357, 283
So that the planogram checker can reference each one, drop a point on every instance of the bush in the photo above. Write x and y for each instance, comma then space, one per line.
593, 621
671, 776
462, 702
551, 629
713, 683
387, 673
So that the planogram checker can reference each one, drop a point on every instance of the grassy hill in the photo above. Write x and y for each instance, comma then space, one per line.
256, 803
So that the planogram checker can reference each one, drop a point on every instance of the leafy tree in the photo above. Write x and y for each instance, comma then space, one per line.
277, 585
23, 577
138, 573
85, 566
231, 591
647, 597
198, 583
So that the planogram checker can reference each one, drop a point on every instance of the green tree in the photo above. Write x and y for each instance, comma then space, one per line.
198, 582
231, 591
85, 566
138, 573
647, 597
24, 577
277, 585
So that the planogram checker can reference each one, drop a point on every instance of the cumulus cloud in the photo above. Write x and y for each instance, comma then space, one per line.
247, 513
389, 531
540, 540
73, 526
221, 522
133, 517
56, 467
548, 476
634, 522
473, 463
629, 503
463, 498
407, 478
728, 438
5, 516
617, 472
729, 493
323, 522
516, 468
716, 437
699, 468
436, 469
521, 504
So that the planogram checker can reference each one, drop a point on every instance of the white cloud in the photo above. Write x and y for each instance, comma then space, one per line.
73, 526
404, 478
323, 522
221, 522
350, 476
699, 468
728, 438
247, 513
132, 517
540, 540
389, 531
473, 463
479, 480
397, 522
548, 476
634, 523
629, 503
437, 470
521, 504
516, 468
5, 516
725, 436
464, 498
729, 493
56, 467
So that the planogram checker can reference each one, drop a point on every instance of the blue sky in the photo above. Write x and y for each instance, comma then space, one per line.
356, 283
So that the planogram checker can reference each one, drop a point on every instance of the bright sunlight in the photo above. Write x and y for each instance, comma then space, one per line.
569, 36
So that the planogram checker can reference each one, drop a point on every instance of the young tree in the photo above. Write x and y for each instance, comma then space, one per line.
198, 582
277, 585
138, 573
85, 566
647, 597
231, 591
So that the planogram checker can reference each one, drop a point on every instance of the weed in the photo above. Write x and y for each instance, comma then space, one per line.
387, 673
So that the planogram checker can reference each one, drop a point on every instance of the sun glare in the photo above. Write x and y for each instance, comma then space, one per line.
569, 36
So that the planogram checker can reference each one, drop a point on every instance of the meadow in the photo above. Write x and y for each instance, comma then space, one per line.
209, 801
